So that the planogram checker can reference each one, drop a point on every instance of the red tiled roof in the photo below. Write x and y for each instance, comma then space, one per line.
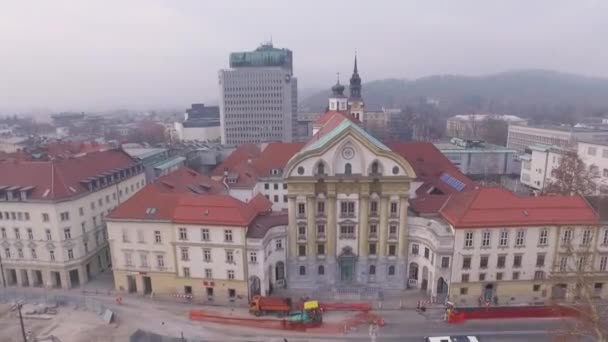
275, 156
242, 153
189, 208
57, 149
497, 207
263, 223
328, 122
429, 204
248, 163
61, 177
330, 114
429, 164
186, 180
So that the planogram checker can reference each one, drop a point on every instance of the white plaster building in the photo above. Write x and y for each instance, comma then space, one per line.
537, 167
522, 137
266, 253
595, 156
471, 126
52, 216
510, 249
183, 235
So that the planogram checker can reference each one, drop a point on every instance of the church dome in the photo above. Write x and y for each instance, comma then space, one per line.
338, 89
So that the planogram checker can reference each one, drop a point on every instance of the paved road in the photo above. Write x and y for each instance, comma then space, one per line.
407, 325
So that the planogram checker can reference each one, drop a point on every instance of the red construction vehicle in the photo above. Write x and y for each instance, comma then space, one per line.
269, 305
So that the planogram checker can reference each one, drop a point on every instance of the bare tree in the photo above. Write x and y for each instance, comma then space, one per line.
475, 127
571, 177
495, 131
576, 264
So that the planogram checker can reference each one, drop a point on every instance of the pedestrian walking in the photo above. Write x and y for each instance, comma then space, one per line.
373, 331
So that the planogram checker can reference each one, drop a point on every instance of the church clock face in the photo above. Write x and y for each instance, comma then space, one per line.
348, 153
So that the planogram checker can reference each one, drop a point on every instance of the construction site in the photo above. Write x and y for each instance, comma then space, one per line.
90, 317
83, 316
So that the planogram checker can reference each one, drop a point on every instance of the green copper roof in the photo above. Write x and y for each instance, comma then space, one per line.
344, 125
264, 56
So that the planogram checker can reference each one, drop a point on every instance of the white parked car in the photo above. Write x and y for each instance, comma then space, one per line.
452, 339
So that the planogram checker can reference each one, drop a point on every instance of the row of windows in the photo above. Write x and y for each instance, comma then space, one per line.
372, 249
501, 261
34, 254
390, 270
520, 238
185, 254
275, 186
592, 151
581, 262
250, 129
239, 107
347, 209
538, 275
348, 231
276, 198
15, 216
257, 93
65, 216
183, 235
67, 233
143, 259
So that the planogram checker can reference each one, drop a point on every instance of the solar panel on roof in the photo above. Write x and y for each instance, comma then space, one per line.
453, 182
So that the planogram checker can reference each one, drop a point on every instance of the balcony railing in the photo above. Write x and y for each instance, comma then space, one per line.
302, 237
347, 214
321, 236
392, 236
347, 236
373, 236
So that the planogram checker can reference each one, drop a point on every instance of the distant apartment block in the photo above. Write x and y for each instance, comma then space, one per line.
538, 164
258, 97
522, 137
470, 126
156, 161
595, 156
478, 158
201, 123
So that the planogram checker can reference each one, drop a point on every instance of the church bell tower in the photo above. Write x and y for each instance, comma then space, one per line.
355, 101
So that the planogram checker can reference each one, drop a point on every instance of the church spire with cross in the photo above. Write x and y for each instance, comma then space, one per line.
355, 100
355, 82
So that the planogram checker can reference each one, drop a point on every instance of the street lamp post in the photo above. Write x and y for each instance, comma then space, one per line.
21, 322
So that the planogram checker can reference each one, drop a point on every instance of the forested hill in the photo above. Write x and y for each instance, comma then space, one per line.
528, 93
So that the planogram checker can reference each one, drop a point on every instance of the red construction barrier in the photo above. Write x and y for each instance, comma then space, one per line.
460, 315
283, 324
363, 307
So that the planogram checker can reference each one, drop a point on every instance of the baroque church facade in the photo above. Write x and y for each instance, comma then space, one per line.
348, 211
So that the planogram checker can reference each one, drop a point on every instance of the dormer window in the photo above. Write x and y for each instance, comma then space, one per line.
348, 170
275, 172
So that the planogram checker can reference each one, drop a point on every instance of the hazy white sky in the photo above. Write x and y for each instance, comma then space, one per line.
105, 54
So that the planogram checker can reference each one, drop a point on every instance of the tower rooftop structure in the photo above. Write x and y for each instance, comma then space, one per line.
266, 55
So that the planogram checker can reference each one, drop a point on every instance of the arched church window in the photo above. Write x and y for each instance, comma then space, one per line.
375, 168
321, 270
348, 169
321, 169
